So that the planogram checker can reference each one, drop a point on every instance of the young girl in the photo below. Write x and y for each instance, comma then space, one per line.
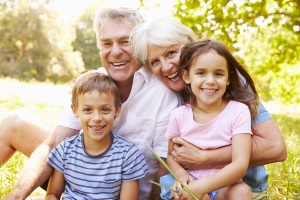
218, 114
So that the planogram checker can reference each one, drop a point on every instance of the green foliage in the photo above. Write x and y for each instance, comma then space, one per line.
285, 176
32, 46
85, 41
264, 34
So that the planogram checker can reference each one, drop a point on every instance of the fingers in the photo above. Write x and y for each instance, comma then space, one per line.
179, 141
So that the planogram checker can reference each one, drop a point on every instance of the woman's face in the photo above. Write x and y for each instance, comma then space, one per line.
164, 63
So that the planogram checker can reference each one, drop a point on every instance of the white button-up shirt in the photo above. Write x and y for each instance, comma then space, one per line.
143, 120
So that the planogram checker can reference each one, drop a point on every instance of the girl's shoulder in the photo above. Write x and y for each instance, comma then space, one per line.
236, 105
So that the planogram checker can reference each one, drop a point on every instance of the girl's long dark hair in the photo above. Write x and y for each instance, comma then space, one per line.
239, 90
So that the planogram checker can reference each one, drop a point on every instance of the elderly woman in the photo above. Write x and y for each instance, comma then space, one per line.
157, 44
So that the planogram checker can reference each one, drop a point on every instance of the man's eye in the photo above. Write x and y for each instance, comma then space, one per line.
125, 42
107, 44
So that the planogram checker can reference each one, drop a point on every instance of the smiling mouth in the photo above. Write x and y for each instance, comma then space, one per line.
97, 128
173, 76
118, 64
209, 91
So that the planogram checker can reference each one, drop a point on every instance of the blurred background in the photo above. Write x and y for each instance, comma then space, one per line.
45, 44
53, 40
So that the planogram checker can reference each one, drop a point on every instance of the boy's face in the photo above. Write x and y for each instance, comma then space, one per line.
96, 112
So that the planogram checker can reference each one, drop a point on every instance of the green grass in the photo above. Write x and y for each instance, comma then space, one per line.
46, 102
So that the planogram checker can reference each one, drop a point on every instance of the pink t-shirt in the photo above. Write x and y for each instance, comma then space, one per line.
234, 119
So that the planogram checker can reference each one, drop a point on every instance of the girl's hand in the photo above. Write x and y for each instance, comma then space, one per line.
185, 179
193, 187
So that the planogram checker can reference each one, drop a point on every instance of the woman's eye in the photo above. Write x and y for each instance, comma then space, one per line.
171, 53
154, 63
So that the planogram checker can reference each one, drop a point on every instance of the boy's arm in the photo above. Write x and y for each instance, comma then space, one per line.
268, 147
56, 185
130, 190
37, 171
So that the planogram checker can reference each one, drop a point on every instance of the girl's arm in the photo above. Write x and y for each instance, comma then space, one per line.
177, 169
130, 190
231, 173
56, 186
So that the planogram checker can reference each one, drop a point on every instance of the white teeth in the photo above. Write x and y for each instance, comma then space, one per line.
209, 91
98, 126
119, 63
172, 75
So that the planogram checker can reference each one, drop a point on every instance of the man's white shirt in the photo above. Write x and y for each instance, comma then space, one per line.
143, 120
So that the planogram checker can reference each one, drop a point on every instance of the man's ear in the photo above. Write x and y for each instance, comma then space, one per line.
118, 111
185, 76
74, 110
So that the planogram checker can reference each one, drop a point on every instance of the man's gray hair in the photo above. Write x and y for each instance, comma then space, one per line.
118, 14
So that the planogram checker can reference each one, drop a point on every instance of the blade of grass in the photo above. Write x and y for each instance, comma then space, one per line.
169, 170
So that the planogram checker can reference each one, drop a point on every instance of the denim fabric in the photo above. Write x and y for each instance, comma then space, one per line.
168, 181
257, 178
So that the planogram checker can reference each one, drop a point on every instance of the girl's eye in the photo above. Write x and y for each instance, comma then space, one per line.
200, 73
105, 110
219, 74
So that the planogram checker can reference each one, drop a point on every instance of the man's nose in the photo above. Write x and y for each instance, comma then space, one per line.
116, 49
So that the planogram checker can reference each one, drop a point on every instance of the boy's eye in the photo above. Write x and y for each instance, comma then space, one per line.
87, 110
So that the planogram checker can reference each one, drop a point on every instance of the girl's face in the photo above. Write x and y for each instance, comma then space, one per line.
163, 62
208, 77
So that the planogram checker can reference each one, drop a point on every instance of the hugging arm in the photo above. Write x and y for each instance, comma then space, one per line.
37, 170
229, 174
268, 147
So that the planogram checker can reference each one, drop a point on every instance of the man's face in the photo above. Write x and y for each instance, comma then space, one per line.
116, 51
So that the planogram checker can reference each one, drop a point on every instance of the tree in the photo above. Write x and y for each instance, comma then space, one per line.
264, 34
85, 41
32, 46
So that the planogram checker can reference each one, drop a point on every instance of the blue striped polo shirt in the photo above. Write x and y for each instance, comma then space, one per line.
97, 177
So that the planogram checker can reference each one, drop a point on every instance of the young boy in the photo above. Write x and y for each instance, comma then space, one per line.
96, 164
